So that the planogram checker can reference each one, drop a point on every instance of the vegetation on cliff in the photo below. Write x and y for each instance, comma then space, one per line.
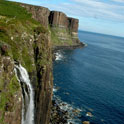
25, 40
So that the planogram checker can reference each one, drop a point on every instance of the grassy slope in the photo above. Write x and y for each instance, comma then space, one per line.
16, 27
56, 32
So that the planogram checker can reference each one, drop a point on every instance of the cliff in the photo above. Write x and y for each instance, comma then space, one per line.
27, 42
27, 35
64, 30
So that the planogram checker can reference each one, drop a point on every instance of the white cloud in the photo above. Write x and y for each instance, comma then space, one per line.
92, 8
121, 1
97, 9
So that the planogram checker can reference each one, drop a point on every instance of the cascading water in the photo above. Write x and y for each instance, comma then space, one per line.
28, 95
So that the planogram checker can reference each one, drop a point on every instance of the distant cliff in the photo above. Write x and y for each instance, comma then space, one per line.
64, 30
29, 42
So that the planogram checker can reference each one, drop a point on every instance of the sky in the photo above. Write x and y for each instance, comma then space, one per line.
101, 16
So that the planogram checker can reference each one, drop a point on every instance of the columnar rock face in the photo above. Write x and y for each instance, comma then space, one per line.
38, 13
43, 94
58, 19
54, 18
61, 20
73, 24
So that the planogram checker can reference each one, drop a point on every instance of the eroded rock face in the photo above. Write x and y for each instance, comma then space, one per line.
58, 19
61, 20
10, 93
43, 94
38, 13
73, 24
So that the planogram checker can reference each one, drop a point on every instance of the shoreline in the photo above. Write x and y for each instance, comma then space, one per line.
55, 49
64, 113
71, 47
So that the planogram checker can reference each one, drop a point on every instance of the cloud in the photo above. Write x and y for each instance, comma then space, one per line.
120, 1
91, 8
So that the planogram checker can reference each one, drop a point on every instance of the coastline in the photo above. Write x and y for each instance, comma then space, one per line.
64, 113
62, 47
55, 49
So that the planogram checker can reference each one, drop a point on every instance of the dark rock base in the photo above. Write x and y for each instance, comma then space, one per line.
63, 113
71, 47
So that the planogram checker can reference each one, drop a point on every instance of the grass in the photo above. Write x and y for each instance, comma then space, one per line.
55, 32
6, 96
12, 9
14, 21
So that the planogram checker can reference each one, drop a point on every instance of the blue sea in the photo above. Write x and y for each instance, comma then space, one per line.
92, 78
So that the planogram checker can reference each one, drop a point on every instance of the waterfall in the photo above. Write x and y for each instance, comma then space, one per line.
28, 95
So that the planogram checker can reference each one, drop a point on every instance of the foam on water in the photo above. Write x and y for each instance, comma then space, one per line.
58, 56
73, 112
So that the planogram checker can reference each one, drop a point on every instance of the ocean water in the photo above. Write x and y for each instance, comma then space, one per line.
92, 78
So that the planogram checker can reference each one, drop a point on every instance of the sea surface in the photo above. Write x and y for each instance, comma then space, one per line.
92, 78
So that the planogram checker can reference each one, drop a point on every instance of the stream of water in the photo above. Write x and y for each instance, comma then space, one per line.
28, 95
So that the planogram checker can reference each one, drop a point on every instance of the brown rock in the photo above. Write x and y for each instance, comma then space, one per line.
89, 114
4, 48
73, 24
58, 19
86, 122
38, 13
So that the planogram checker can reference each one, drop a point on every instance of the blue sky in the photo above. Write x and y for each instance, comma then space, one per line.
102, 16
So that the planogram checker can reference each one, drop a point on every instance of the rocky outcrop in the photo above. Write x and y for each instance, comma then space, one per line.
58, 19
73, 24
39, 13
65, 28
44, 76
10, 93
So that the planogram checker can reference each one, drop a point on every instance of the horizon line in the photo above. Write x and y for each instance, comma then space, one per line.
100, 33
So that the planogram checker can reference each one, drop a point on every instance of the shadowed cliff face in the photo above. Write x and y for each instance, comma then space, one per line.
73, 24
38, 13
58, 19
44, 87
61, 20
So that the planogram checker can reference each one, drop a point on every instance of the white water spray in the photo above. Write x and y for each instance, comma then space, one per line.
28, 95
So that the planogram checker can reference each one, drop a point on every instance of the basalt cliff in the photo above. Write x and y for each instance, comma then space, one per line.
63, 29
27, 36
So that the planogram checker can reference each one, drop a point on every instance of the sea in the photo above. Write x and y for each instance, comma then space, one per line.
92, 78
